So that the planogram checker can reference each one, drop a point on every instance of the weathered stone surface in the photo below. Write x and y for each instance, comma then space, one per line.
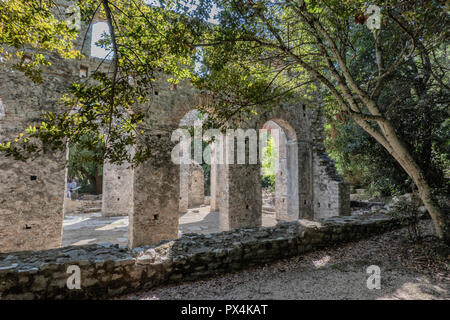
117, 190
196, 186
110, 270
32, 194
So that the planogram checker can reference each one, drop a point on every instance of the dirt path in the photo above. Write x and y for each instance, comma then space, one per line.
407, 272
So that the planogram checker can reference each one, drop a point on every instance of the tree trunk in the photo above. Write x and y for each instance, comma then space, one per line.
99, 184
398, 150
440, 218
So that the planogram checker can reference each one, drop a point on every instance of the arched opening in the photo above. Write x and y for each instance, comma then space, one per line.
99, 49
84, 219
280, 173
195, 211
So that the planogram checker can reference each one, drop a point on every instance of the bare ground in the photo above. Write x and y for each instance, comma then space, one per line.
408, 271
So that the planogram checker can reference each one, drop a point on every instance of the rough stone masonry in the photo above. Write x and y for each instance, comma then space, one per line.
32, 193
109, 270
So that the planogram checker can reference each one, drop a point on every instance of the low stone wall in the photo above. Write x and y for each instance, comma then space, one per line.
108, 270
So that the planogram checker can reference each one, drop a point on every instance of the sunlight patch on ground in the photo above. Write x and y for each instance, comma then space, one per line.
319, 263
84, 242
71, 220
414, 291
115, 224
80, 229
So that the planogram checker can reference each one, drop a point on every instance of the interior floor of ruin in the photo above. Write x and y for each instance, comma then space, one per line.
92, 227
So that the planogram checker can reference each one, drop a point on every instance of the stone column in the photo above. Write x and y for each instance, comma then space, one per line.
184, 188
31, 192
240, 195
31, 202
214, 203
117, 198
281, 173
185, 163
286, 180
305, 178
292, 181
156, 201
196, 191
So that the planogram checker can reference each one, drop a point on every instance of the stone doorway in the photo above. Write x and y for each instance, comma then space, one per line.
280, 172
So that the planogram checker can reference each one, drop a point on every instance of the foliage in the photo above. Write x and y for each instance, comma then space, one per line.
366, 164
84, 164
268, 183
109, 105
408, 213
416, 101
324, 48
363, 162
269, 158
31, 24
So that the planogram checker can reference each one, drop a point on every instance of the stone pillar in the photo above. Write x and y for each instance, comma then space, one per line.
196, 192
292, 181
214, 202
281, 174
31, 203
156, 203
184, 188
185, 163
117, 198
32, 192
192, 186
331, 192
240, 194
287, 180
241, 197
305, 178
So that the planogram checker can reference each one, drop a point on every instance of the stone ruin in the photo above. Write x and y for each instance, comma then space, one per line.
154, 193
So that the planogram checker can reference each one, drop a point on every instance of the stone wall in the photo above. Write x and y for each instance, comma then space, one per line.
214, 184
31, 203
156, 182
32, 194
331, 192
109, 270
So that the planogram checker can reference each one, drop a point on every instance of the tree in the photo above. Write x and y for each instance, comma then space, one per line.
264, 49
28, 23
424, 130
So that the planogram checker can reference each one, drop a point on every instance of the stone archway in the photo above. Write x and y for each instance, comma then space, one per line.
297, 159
191, 174
286, 170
